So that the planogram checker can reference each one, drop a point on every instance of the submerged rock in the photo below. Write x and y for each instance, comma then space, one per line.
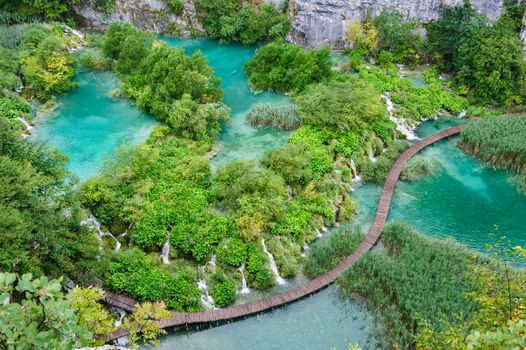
319, 22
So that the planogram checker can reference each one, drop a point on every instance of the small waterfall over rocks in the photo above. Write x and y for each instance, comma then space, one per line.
206, 298
306, 249
93, 223
28, 127
355, 177
401, 124
122, 314
212, 263
279, 280
370, 153
165, 254
244, 287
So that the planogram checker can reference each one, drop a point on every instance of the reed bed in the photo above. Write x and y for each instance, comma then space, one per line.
284, 117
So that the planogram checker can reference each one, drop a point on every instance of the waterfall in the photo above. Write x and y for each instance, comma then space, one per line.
370, 153
244, 287
122, 313
355, 177
166, 252
93, 223
306, 249
462, 114
212, 262
28, 127
206, 298
279, 280
401, 124
289, 193
318, 233
401, 71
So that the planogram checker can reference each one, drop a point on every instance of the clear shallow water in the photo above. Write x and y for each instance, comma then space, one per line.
322, 321
238, 140
89, 125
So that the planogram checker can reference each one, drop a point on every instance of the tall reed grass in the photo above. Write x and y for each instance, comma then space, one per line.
284, 117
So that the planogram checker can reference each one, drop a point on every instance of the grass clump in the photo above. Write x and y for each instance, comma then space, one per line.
284, 117
329, 252
497, 140
415, 279
416, 168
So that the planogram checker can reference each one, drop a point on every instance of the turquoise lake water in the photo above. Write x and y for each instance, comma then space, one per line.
89, 125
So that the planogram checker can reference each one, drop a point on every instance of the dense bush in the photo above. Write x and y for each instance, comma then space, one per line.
328, 252
232, 252
223, 290
377, 171
285, 67
242, 21
11, 108
497, 140
35, 192
396, 36
176, 6
259, 274
279, 116
292, 162
414, 280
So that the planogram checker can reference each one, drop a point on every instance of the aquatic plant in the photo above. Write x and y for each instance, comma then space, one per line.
328, 252
414, 279
284, 117
497, 140
416, 168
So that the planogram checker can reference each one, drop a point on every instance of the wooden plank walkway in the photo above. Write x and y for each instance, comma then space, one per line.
370, 240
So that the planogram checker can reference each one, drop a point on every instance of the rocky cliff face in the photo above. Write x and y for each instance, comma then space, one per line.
150, 15
319, 22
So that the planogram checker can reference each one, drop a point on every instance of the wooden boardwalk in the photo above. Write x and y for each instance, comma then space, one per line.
370, 240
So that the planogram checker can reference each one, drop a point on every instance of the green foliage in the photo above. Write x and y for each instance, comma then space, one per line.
285, 67
284, 117
196, 121
255, 196
242, 21
497, 140
12, 109
232, 252
224, 293
181, 292
86, 302
396, 36
328, 252
347, 106
35, 192
259, 274
25, 10
34, 314
414, 279
292, 162
313, 141
176, 7
143, 325
416, 168
377, 171
286, 254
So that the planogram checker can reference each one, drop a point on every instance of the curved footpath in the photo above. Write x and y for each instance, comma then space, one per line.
370, 240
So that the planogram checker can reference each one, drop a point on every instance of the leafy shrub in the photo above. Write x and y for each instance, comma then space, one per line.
259, 274
224, 293
242, 21
181, 292
176, 7
285, 67
292, 162
12, 109
377, 171
232, 252
313, 142
328, 252
279, 116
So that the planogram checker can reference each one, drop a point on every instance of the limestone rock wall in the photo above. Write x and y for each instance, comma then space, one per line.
150, 15
319, 22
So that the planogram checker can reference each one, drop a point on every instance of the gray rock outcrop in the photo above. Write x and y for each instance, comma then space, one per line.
149, 15
319, 22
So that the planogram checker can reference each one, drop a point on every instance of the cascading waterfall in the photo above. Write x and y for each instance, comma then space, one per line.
355, 177
401, 124
244, 286
306, 249
462, 114
28, 127
370, 153
206, 298
212, 262
279, 280
92, 222
166, 252
289, 193
122, 314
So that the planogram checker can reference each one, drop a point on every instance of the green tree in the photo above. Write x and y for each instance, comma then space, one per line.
396, 36
142, 325
34, 314
86, 302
